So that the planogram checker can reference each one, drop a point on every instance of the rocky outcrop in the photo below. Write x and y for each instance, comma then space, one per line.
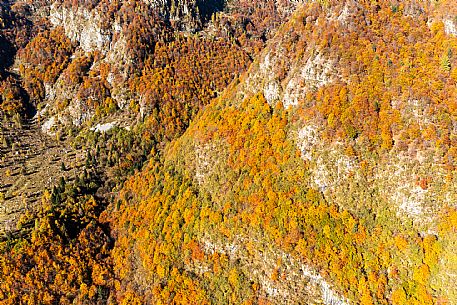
82, 26
287, 78
298, 283
402, 179
95, 31
450, 27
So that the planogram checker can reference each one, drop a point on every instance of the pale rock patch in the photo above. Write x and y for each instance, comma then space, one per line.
271, 92
47, 126
411, 200
308, 139
344, 14
104, 127
79, 112
450, 27
50, 92
299, 281
331, 170
328, 165
82, 26
317, 70
315, 73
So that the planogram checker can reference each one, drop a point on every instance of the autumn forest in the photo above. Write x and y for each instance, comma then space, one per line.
228, 152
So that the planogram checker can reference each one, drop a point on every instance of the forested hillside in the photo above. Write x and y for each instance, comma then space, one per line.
228, 152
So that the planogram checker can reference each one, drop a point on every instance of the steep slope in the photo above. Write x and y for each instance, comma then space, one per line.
17, 26
138, 65
357, 92
76, 83
325, 174
110, 44
101, 113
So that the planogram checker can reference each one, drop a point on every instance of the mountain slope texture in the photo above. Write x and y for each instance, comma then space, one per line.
228, 152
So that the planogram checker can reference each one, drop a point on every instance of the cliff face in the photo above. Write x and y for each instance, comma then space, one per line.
99, 27
294, 67
83, 27
119, 36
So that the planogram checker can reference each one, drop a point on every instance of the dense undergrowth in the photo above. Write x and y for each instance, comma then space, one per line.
223, 178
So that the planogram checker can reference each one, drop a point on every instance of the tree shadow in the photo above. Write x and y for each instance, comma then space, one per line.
208, 7
7, 52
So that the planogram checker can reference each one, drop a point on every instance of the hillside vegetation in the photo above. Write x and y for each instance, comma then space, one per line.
238, 152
